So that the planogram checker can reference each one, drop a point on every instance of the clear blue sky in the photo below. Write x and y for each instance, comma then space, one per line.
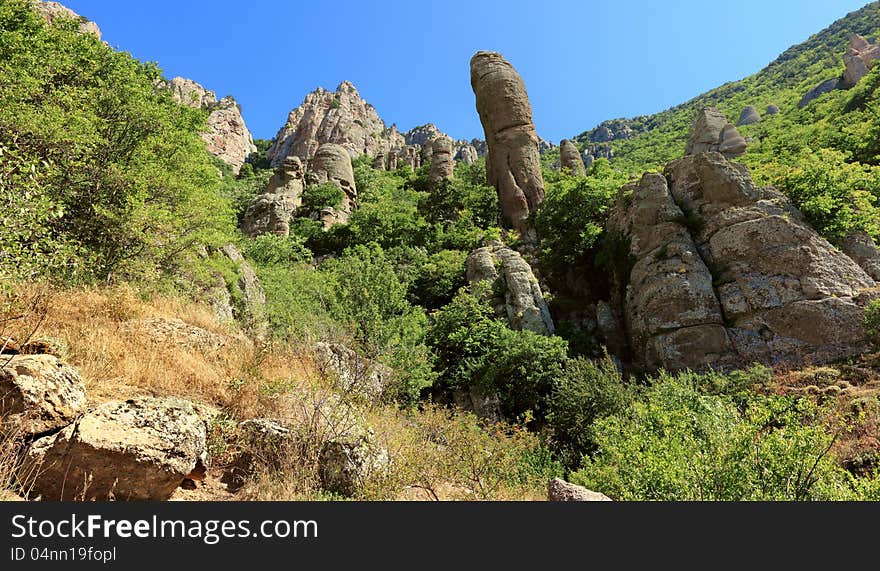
583, 61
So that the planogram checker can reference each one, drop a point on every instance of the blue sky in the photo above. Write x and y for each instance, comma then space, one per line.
583, 61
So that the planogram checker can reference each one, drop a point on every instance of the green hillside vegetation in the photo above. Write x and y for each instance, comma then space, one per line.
105, 180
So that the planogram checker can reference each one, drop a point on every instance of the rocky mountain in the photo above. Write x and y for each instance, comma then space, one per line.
227, 137
51, 11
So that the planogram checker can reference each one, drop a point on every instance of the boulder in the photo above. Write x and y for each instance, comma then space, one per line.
442, 161
352, 373
343, 118
139, 449
332, 164
858, 60
53, 11
727, 274
522, 302
570, 158
561, 491
861, 248
39, 394
272, 211
749, 116
711, 132
772, 110
826, 86
513, 164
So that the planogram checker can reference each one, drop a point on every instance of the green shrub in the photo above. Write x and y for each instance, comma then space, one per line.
317, 197
272, 250
438, 279
585, 392
872, 319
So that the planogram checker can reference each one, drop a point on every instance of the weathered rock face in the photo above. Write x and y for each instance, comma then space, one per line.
271, 212
597, 151
858, 59
826, 86
332, 164
861, 248
39, 394
711, 132
772, 109
253, 297
727, 274
523, 302
227, 137
513, 165
614, 130
749, 116
52, 11
466, 152
422, 135
570, 158
135, 450
545, 146
561, 491
342, 118
442, 161
352, 373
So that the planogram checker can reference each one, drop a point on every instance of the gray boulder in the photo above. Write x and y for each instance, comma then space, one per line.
749, 116
561, 491
711, 132
39, 394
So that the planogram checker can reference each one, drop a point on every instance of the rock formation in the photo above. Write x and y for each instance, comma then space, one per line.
53, 11
332, 164
271, 212
772, 109
342, 118
252, 307
442, 161
352, 373
712, 132
39, 394
227, 137
726, 274
861, 248
749, 116
422, 135
139, 449
513, 165
561, 491
858, 60
523, 303
826, 86
570, 158
597, 151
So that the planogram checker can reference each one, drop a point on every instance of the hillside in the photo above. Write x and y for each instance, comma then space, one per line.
348, 311
661, 137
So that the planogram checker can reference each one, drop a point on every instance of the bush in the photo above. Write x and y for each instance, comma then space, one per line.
272, 250
317, 197
872, 319
438, 279
585, 392
678, 443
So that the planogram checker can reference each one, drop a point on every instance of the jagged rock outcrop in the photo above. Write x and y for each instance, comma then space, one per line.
711, 132
332, 164
597, 151
139, 449
561, 491
271, 212
570, 158
39, 394
614, 130
861, 248
772, 109
227, 137
749, 116
522, 302
481, 147
352, 373
545, 146
442, 161
466, 152
52, 11
826, 86
726, 274
858, 60
343, 118
422, 135
513, 165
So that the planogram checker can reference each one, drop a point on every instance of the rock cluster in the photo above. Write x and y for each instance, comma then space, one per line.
858, 60
513, 165
597, 151
271, 212
522, 302
52, 11
227, 137
711, 131
570, 158
352, 373
726, 274
332, 164
614, 130
861, 248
